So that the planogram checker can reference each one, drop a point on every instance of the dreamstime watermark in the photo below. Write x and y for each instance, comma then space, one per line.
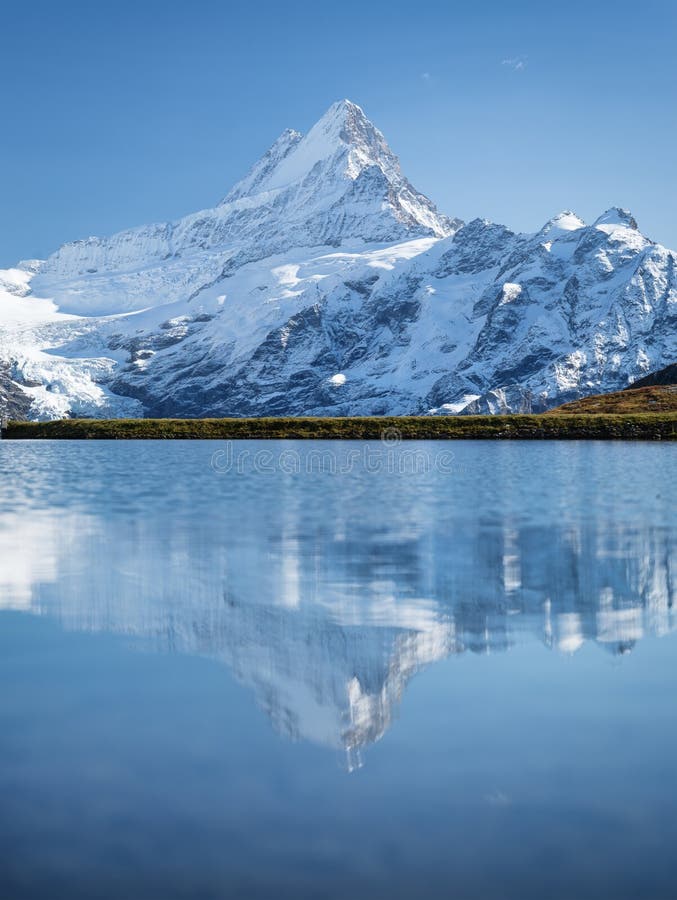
390, 455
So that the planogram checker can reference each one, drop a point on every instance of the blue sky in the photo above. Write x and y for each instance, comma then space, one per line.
123, 113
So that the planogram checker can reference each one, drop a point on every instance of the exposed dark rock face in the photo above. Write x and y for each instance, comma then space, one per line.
15, 403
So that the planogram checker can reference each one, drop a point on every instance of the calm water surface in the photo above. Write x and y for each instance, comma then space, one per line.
316, 674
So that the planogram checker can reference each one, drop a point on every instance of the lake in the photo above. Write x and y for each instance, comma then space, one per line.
329, 670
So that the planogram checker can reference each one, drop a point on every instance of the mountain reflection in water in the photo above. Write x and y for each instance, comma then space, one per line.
326, 595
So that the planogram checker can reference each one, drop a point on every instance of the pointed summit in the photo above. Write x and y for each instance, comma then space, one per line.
342, 111
345, 124
343, 129
344, 159
564, 221
617, 217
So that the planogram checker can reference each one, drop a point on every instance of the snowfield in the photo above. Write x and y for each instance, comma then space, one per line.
325, 284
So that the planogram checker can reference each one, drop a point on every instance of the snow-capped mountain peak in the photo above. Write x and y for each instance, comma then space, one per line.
345, 127
343, 140
564, 221
325, 284
343, 158
617, 217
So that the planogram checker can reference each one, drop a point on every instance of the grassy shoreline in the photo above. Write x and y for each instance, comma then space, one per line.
632, 426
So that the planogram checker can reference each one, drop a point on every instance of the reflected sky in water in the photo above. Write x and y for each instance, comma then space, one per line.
208, 677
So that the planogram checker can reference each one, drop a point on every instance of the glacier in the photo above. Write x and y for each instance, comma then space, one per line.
324, 283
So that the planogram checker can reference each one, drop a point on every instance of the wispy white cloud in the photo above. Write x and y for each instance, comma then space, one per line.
516, 63
426, 76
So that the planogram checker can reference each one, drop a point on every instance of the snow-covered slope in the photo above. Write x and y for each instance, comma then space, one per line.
324, 283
